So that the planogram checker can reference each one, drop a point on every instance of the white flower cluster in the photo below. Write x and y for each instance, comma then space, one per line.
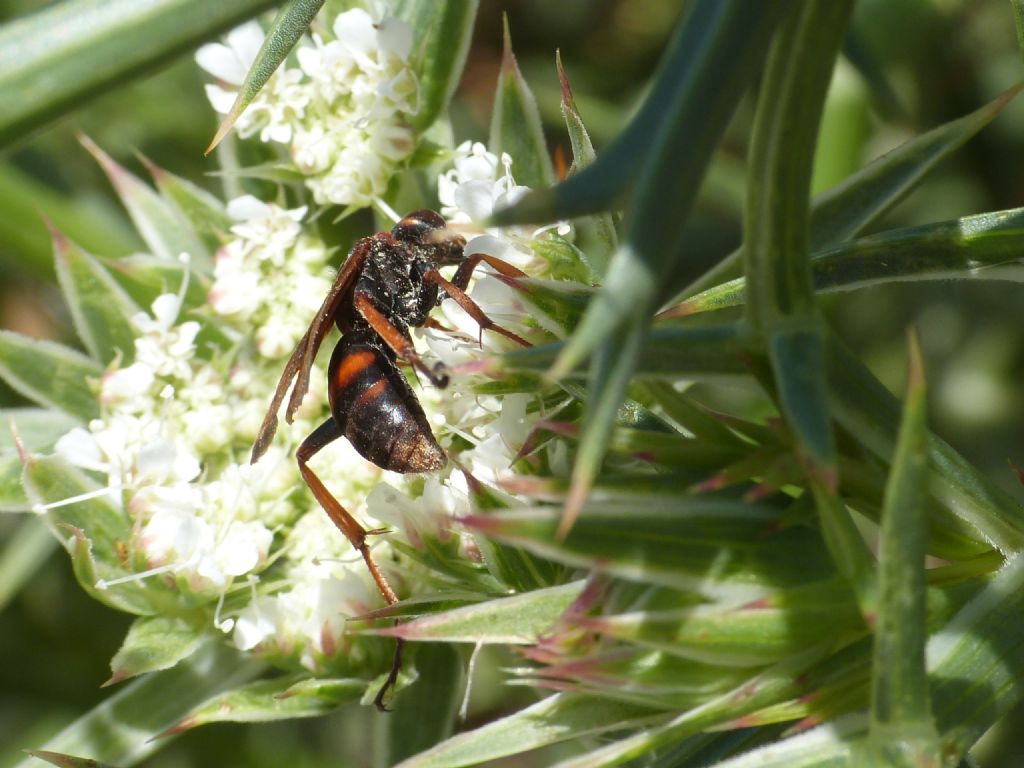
177, 423
160, 417
271, 278
343, 112
325, 580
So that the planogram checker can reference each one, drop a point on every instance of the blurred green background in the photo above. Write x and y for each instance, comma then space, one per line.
941, 59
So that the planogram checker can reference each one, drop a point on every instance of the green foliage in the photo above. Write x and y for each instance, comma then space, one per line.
67, 54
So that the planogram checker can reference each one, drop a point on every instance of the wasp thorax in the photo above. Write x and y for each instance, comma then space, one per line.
428, 232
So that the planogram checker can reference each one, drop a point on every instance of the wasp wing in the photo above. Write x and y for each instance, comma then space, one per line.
301, 361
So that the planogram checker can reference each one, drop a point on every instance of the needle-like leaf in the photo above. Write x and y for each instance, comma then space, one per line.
287, 29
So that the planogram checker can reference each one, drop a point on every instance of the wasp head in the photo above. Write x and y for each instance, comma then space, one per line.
428, 233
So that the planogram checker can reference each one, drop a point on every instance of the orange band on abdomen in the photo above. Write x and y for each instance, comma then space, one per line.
351, 366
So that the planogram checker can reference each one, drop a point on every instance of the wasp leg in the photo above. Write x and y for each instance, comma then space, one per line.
465, 270
398, 341
432, 323
327, 433
460, 297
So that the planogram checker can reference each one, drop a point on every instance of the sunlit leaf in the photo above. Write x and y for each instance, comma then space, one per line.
166, 233
725, 58
866, 409
777, 682
66, 761
100, 308
516, 619
120, 729
70, 52
37, 428
688, 542
976, 662
264, 701
753, 634
442, 32
199, 210
154, 643
901, 728
555, 719
515, 124
985, 246
841, 212
596, 233
783, 321
49, 374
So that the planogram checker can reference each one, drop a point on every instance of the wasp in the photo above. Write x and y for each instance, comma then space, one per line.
389, 283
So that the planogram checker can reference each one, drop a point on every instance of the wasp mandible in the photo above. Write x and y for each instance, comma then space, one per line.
389, 284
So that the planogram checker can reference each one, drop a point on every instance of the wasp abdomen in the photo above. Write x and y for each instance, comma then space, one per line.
378, 412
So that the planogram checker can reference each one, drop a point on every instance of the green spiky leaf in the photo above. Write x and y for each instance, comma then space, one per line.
442, 33
288, 27
101, 309
156, 642
49, 374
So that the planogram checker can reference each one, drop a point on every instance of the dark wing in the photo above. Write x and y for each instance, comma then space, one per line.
305, 351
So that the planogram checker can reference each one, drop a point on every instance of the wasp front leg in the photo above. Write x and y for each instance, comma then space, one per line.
471, 262
400, 344
460, 297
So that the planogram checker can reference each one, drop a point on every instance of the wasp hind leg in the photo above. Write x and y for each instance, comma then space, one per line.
356, 534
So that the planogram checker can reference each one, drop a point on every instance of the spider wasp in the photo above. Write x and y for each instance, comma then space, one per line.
389, 284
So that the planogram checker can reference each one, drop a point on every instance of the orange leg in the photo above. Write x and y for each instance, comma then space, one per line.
459, 296
432, 323
356, 534
398, 341
465, 270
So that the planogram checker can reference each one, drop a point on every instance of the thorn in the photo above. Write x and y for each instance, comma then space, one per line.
180, 727
152, 168
563, 80
512, 281
683, 309
530, 444
508, 59
19, 444
114, 679
61, 244
1016, 471
222, 130
529, 485
560, 428
578, 492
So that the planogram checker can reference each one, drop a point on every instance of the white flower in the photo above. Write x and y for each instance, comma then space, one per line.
271, 278
328, 584
163, 462
79, 447
126, 385
477, 184
199, 551
343, 111
279, 103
